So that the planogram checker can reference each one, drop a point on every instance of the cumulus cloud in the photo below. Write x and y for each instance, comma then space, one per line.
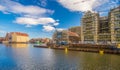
85, 5
55, 24
15, 7
47, 22
34, 21
48, 28
29, 15
60, 29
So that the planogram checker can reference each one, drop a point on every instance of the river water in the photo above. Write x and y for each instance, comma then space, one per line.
27, 57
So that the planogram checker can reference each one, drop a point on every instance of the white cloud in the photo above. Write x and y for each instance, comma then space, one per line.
15, 7
84, 5
29, 15
60, 29
55, 24
35, 21
48, 28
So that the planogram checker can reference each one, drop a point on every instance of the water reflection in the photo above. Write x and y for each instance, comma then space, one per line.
17, 45
31, 58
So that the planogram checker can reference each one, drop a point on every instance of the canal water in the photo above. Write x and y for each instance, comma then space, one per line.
27, 57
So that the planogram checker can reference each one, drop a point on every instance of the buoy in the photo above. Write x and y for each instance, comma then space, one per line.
66, 50
101, 52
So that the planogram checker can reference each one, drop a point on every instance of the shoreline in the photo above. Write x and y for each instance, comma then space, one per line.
85, 49
107, 49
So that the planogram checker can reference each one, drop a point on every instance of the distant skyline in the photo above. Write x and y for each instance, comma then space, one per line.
37, 17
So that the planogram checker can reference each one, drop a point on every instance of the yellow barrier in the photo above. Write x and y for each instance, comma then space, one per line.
66, 50
101, 52
118, 46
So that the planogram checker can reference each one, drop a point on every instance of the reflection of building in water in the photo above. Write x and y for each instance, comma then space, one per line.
17, 37
17, 45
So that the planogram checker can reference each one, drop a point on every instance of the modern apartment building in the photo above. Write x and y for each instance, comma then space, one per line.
115, 24
17, 37
89, 27
65, 36
104, 34
96, 29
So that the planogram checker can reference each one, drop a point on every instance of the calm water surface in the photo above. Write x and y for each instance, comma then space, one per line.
27, 57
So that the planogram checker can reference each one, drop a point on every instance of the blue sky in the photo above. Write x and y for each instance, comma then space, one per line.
37, 17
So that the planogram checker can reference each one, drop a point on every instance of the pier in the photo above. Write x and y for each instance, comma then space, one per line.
87, 48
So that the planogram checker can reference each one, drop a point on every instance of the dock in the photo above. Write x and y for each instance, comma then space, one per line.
88, 48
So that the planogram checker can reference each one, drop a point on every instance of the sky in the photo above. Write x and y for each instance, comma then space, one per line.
40, 18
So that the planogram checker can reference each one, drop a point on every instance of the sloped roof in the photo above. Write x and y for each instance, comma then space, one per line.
19, 33
73, 34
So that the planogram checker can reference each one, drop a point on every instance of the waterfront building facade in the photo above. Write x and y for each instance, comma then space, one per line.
17, 37
40, 40
96, 29
65, 36
104, 34
76, 29
115, 24
89, 27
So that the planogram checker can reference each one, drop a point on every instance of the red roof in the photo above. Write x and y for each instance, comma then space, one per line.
19, 33
73, 34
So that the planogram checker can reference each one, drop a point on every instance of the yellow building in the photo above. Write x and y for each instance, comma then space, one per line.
17, 37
